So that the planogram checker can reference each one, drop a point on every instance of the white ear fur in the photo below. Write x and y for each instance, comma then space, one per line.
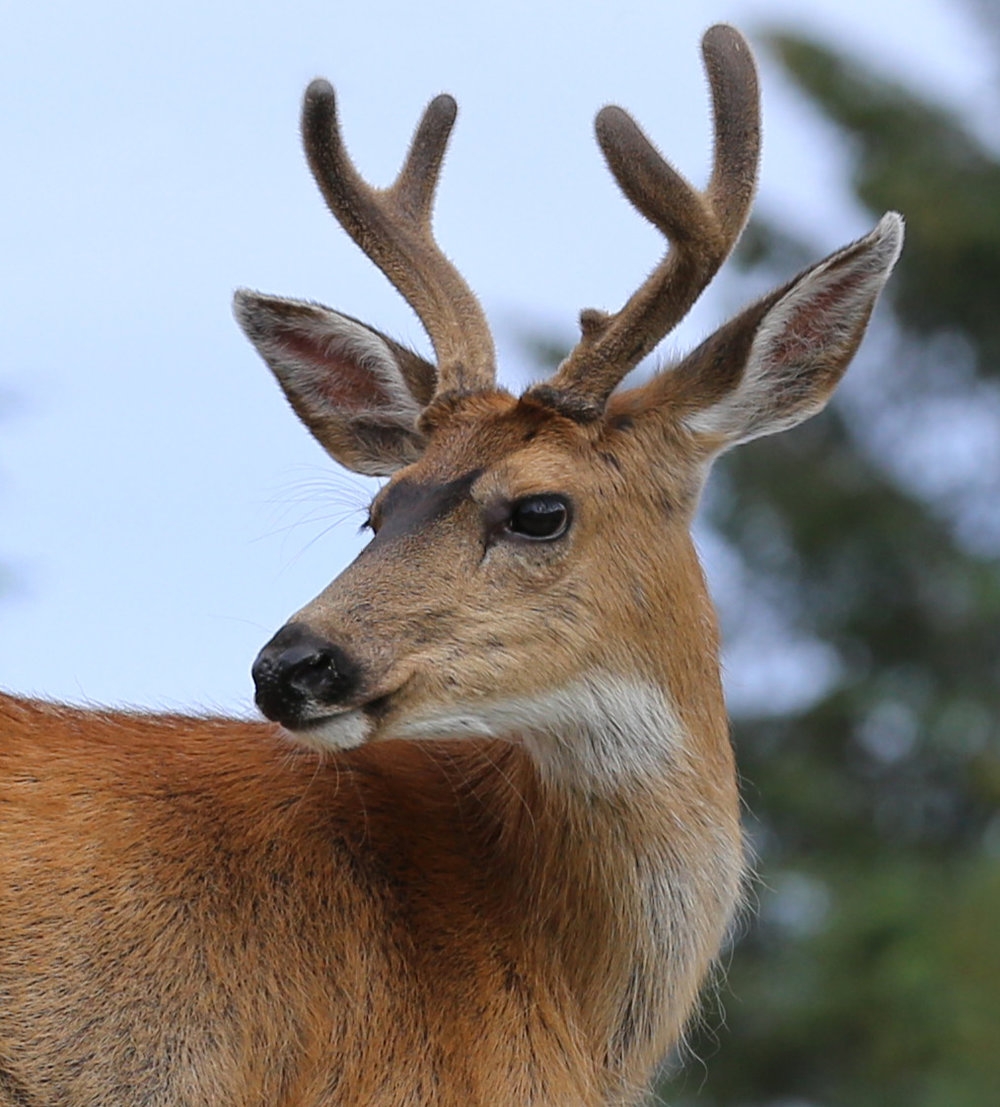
805, 341
325, 357
345, 381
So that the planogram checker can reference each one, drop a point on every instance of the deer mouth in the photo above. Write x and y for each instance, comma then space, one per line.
345, 728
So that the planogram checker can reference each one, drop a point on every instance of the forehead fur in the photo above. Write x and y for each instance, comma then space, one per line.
476, 432
537, 446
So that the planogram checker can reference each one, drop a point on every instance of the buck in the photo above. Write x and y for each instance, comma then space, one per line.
487, 846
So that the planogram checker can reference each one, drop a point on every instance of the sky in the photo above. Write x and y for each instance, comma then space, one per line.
161, 511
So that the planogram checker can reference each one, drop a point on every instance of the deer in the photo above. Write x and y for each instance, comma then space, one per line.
485, 847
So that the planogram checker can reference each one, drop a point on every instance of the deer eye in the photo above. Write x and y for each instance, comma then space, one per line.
540, 518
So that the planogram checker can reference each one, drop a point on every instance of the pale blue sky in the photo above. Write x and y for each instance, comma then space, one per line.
161, 510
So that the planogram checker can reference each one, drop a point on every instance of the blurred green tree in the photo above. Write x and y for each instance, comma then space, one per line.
870, 970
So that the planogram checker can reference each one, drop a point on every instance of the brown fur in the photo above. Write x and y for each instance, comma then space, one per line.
212, 917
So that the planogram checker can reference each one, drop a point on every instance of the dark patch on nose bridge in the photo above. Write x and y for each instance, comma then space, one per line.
408, 506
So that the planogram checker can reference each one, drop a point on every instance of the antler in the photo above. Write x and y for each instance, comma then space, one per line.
393, 227
701, 227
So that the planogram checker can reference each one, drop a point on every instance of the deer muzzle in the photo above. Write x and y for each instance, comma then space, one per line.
302, 678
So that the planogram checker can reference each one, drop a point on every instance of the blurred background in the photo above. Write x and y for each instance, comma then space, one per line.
162, 512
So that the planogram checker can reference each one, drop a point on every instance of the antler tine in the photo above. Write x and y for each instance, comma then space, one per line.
732, 76
393, 228
701, 227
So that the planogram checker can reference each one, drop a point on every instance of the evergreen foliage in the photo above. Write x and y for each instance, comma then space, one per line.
870, 970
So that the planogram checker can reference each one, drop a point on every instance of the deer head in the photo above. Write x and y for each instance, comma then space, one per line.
531, 572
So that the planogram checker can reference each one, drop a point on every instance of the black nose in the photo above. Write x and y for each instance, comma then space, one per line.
300, 676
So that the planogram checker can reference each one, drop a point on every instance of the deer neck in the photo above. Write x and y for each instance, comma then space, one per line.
621, 853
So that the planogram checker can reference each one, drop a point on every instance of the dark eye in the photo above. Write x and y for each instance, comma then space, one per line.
539, 517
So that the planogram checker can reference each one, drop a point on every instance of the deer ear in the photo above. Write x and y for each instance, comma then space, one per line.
358, 392
778, 362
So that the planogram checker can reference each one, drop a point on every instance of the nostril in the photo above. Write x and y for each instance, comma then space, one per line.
314, 672
298, 675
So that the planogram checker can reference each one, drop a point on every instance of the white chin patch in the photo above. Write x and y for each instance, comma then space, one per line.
339, 732
603, 728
